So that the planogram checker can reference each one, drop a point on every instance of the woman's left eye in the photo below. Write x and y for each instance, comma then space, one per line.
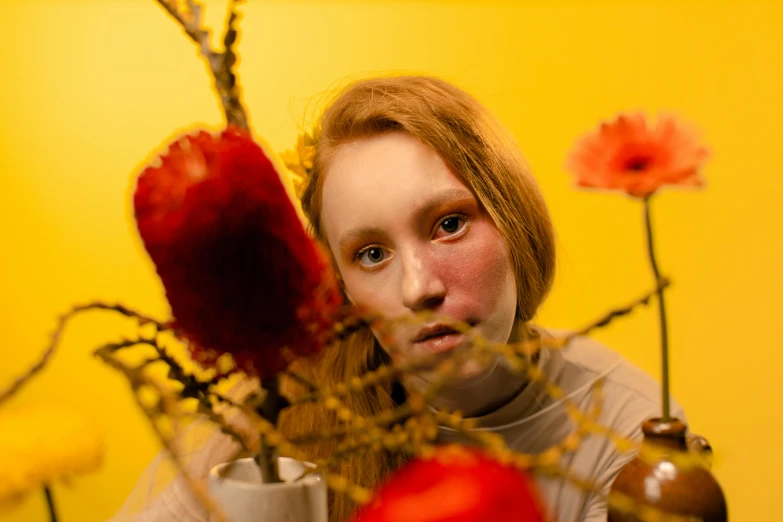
452, 224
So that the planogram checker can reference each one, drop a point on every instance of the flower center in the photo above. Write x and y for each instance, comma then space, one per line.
637, 163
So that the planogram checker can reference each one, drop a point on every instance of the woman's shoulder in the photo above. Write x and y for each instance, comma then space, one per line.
586, 361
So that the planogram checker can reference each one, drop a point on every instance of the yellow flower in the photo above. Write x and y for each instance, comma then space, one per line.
43, 444
300, 161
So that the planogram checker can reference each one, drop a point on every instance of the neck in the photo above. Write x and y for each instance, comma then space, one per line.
488, 391
482, 394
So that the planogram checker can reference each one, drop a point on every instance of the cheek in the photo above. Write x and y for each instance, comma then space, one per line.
487, 266
481, 272
373, 291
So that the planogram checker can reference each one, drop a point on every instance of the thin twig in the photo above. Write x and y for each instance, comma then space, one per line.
357, 493
166, 405
225, 427
220, 63
381, 420
192, 387
383, 374
619, 312
46, 356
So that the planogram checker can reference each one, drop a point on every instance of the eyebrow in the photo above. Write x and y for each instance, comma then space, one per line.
441, 199
356, 236
450, 196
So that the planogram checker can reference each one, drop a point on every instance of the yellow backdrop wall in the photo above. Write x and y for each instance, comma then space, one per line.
90, 88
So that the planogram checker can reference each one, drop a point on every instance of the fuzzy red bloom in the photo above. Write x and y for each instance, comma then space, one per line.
630, 155
241, 274
456, 485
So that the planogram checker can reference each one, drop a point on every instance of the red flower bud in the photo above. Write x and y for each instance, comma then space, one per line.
241, 274
456, 485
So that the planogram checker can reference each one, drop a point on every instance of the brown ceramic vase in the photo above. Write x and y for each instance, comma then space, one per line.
690, 491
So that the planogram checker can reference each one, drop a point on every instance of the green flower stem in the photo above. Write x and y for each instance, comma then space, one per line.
665, 417
50, 503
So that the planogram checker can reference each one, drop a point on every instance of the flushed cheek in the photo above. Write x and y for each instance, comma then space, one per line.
485, 273
479, 276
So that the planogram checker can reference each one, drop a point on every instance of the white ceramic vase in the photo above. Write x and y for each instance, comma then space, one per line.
238, 489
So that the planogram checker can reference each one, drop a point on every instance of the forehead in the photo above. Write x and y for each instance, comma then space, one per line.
390, 172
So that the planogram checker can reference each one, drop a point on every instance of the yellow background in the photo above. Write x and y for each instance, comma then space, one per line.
90, 89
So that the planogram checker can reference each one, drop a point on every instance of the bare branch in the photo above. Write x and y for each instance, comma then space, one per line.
46, 356
220, 63
619, 312
167, 405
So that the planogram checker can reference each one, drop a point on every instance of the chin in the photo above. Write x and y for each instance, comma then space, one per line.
471, 372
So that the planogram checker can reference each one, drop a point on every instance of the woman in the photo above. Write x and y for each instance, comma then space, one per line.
425, 203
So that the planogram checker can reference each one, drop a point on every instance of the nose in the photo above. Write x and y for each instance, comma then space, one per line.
422, 288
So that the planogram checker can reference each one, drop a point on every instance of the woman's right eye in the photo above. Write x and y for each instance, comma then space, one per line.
371, 256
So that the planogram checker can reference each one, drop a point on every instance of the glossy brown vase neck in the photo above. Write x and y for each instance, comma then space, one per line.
670, 434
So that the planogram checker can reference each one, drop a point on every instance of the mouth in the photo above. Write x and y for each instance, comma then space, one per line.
439, 338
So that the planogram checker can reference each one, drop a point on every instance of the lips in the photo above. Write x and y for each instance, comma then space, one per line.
433, 332
438, 338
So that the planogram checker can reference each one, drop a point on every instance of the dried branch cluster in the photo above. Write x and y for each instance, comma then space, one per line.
410, 428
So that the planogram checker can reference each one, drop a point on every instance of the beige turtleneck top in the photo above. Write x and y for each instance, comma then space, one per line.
533, 421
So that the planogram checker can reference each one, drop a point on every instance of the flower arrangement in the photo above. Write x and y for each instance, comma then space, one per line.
251, 292
639, 158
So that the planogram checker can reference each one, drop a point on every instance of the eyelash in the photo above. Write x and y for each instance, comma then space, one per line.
461, 217
358, 255
357, 258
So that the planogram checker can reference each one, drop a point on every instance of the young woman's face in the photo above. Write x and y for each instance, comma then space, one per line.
408, 235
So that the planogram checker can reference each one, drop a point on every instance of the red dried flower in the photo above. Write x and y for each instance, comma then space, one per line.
630, 155
240, 272
456, 485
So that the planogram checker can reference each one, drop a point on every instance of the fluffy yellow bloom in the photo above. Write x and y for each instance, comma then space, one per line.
42, 444
300, 161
